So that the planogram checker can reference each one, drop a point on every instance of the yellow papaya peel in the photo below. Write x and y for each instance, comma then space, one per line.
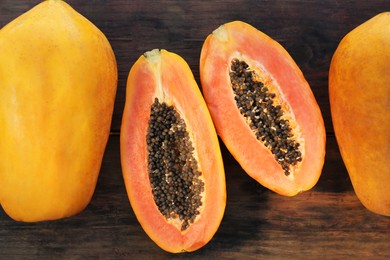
359, 91
58, 79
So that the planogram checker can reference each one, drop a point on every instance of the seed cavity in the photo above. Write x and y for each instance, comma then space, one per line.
265, 115
174, 174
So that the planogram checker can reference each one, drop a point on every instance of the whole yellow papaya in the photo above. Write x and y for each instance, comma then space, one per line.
359, 90
58, 80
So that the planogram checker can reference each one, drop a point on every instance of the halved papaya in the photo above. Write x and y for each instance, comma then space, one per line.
170, 155
263, 108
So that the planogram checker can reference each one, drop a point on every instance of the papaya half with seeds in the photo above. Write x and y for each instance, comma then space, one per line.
263, 108
58, 80
170, 155
359, 92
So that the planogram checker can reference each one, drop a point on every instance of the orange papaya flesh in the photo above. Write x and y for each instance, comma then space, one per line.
263, 108
168, 143
58, 79
359, 94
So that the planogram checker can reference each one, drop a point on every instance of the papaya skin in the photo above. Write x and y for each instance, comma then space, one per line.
240, 40
359, 92
163, 74
58, 79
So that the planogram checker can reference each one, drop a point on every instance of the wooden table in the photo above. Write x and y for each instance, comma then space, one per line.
327, 222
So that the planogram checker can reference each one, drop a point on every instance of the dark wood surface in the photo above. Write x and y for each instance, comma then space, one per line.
325, 222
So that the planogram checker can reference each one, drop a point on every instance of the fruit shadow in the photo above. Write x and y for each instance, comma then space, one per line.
334, 176
255, 214
245, 204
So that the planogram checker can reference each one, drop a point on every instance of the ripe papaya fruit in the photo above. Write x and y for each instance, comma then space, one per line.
263, 108
58, 79
359, 93
171, 160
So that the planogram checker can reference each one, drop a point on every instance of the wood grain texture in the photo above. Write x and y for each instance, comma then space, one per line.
327, 222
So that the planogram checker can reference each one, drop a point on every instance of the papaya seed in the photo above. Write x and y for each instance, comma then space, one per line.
256, 103
173, 169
